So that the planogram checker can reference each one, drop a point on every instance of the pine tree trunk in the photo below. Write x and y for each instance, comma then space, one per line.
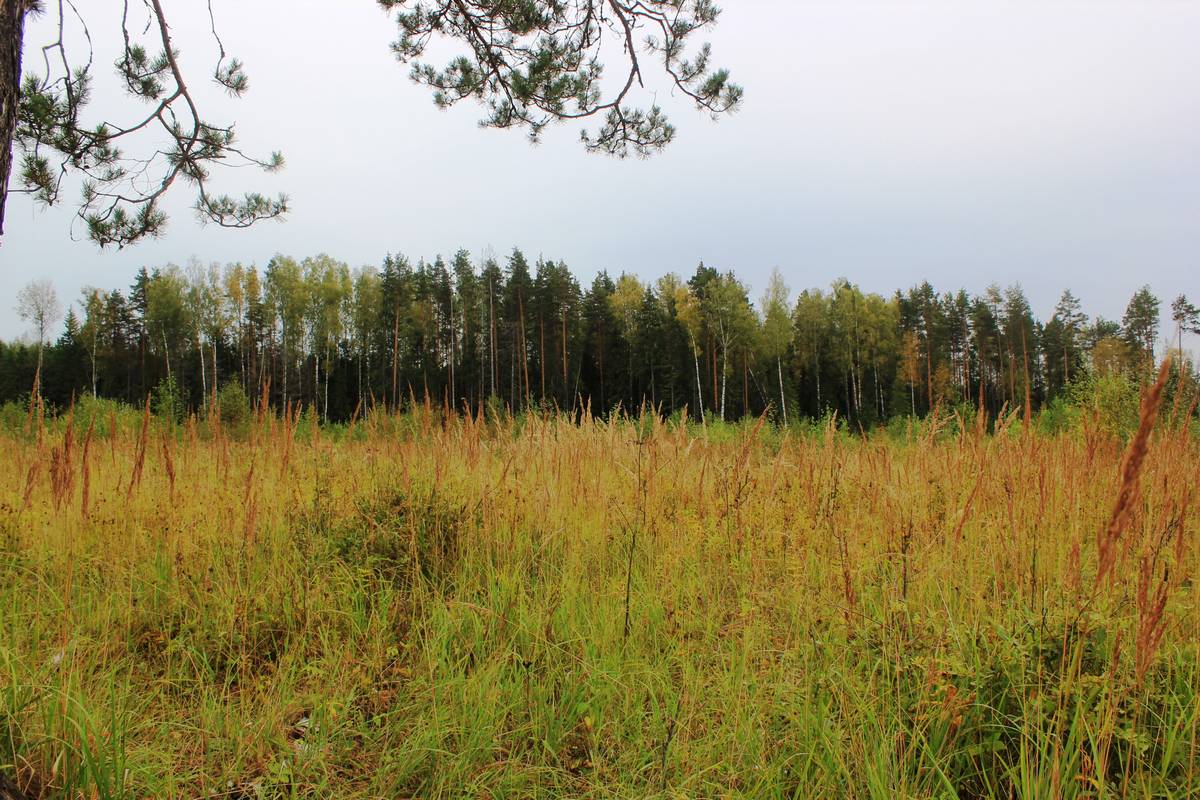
564, 355
528, 392
817, 371
167, 353
12, 37
492, 335
929, 372
603, 398
242, 352
395, 359
724, 377
878, 389
1028, 388
214, 393
745, 387
284, 364
711, 364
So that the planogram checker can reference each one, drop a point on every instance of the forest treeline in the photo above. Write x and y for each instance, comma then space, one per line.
317, 333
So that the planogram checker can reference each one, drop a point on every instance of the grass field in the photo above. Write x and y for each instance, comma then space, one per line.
412, 607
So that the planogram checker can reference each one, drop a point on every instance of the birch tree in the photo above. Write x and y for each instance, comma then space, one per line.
776, 329
37, 304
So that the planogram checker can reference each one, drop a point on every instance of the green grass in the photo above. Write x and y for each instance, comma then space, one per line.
411, 609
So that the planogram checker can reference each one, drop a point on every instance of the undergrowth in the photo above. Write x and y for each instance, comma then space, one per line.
422, 607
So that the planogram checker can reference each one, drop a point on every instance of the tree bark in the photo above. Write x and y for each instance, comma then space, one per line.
395, 357
284, 340
724, 375
12, 36
203, 373
492, 334
817, 372
699, 391
745, 387
214, 373
566, 387
782, 397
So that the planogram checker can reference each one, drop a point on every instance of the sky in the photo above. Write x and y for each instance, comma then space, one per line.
1052, 145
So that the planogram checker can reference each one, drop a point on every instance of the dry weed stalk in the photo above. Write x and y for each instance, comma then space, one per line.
1131, 467
35, 401
62, 472
354, 419
35, 468
1074, 569
1191, 412
85, 470
1108, 723
1152, 591
193, 436
966, 512
220, 440
291, 419
981, 415
112, 435
250, 501
168, 462
140, 458
1151, 605
264, 401
1004, 420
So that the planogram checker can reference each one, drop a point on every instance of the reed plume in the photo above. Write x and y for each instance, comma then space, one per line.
1131, 468
85, 470
140, 459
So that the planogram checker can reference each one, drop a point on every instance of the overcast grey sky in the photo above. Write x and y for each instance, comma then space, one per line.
1051, 144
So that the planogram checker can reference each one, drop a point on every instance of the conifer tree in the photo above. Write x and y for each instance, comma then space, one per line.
1140, 327
529, 63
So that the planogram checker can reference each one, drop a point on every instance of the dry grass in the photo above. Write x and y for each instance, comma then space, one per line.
530, 608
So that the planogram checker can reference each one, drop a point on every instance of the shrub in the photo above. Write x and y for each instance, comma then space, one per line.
234, 408
1057, 416
167, 402
14, 416
1112, 397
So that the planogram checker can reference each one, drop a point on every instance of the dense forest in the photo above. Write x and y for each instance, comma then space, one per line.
319, 334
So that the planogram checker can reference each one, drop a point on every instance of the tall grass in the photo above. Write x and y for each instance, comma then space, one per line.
484, 606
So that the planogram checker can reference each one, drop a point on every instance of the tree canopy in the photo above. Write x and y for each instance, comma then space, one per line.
525, 334
530, 63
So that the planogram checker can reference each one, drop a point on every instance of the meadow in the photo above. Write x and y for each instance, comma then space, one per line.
424, 605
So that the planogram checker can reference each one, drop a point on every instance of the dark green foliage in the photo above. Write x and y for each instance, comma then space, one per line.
525, 336
403, 538
529, 62
121, 197
1140, 324
235, 408
167, 403
534, 62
